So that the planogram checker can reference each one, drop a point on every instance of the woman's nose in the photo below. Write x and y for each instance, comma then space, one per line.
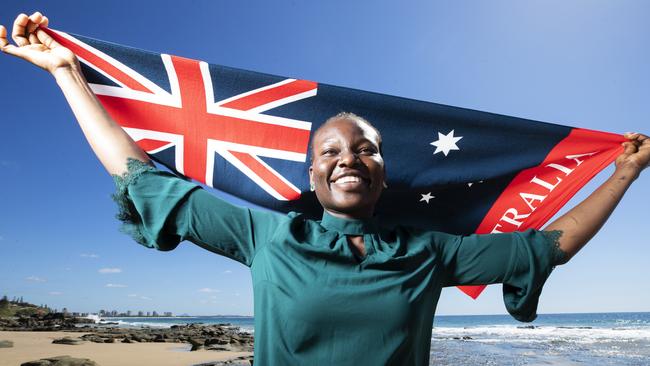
348, 158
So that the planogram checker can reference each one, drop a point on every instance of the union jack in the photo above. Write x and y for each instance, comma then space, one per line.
199, 126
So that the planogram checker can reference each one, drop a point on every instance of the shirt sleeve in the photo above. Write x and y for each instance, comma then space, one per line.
522, 261
159, 210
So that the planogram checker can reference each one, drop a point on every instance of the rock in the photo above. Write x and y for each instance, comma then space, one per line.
37, 363
220, 341
464, 338
159, 338
61, 361
6, 344
219, 348
68, 340
197, 344
239, 361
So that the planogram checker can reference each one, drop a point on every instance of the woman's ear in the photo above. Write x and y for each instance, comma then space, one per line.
312, 187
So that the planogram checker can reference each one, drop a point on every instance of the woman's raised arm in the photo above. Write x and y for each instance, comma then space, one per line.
583, 221
112, 145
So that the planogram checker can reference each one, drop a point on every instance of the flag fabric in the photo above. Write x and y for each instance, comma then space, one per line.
247, 134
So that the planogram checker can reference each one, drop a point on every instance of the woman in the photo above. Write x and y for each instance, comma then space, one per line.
342, 290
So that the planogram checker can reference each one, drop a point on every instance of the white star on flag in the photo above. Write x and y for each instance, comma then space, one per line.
446, 143
426, 197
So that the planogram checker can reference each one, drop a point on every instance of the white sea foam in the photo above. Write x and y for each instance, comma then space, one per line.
513, 334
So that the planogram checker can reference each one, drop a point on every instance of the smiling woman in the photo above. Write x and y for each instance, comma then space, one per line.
346, 289
347, 171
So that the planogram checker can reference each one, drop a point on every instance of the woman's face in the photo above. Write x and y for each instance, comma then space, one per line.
347, 169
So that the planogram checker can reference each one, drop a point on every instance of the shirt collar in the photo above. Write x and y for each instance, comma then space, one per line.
349, 226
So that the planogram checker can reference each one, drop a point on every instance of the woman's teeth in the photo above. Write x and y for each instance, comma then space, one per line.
348, 179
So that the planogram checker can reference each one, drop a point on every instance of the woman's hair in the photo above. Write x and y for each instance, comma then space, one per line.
348, 116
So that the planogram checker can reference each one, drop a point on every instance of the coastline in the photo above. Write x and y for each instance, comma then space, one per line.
32, 345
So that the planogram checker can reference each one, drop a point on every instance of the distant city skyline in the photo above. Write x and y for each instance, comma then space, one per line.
580, 63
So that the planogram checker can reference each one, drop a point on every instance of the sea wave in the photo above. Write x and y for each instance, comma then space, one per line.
508, 333
168, 322
541, 345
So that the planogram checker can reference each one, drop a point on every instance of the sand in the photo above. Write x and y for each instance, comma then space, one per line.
29, 346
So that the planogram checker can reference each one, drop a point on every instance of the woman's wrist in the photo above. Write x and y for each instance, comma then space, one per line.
627, 172
66, 72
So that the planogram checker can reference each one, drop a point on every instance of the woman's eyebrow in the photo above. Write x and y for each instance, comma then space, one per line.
329, 141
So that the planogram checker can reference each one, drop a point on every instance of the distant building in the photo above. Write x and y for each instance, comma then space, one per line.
155, 313
140, 313
168, 313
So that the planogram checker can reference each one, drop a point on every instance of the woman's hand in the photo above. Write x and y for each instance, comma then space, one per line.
582, 222
636, 156
112, 145
36, 46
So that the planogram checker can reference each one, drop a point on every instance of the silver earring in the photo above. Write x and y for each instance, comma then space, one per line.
312, 187
385, 185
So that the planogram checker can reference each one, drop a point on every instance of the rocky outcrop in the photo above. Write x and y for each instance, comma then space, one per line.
221, 337
61, 361
47, 322
217, 337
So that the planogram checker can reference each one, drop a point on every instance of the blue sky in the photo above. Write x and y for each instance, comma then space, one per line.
580, 63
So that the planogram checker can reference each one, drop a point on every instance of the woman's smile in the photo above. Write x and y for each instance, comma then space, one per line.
350, 180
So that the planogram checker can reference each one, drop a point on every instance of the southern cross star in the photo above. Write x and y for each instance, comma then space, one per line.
426, 197
446, 143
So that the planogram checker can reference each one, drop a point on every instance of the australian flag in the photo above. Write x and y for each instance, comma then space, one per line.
247, 134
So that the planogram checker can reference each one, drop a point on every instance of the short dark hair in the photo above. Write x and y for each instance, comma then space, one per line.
348, 116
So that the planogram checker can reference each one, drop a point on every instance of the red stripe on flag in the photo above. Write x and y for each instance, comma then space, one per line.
150, 145
271, 95
537, 193
267, 176
98, 62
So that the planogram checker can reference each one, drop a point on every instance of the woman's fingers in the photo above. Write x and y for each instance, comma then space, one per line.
46, 39
18, 33
3, 36
33, 24
35, 20
5, 46
630, 148
24, 28
637, 138
636, 150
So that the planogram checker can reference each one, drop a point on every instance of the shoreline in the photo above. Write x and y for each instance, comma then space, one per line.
34, 345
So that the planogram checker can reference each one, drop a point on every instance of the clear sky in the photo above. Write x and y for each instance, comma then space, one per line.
579, 63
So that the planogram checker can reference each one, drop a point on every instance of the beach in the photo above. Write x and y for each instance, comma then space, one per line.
553, 339
29, 346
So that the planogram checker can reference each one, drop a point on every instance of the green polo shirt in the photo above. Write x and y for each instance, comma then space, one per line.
316, 301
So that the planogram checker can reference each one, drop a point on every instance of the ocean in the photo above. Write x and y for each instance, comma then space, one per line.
552, 339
